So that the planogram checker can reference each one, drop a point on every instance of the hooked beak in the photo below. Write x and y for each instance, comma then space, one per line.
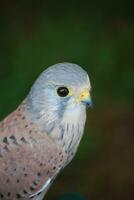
85, 98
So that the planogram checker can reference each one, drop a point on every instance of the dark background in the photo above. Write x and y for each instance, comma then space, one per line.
98, 35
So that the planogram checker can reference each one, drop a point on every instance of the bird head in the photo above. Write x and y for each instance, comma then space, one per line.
62, 89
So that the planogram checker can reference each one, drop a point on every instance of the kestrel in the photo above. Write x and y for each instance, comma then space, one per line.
42, 135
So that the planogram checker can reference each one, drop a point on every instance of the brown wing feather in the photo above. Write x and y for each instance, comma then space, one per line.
28, 158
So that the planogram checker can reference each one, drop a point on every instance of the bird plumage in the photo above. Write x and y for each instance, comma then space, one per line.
28, 158
42, 135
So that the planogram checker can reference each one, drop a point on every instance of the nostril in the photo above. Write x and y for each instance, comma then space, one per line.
89, 104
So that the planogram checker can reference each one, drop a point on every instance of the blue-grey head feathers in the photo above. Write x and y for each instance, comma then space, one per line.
54, 115
43, 96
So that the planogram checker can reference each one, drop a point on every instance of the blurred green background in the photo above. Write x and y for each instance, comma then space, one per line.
98, 35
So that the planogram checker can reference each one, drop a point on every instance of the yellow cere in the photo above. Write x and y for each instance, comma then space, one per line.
84, 95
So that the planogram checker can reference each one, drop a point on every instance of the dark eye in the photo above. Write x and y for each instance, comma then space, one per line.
62, 91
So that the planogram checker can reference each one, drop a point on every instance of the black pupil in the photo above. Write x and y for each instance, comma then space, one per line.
62, 91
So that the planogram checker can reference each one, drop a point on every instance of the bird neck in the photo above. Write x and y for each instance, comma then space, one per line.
65, 129
69, 131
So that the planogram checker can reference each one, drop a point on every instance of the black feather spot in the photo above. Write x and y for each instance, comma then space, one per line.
48, 172
8, 194
18, 196
5, 140
41, 164
32, 188
12, 137
39, 174
2, 196
32, 197
8, 180
23, 140
34, 183
25, 175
